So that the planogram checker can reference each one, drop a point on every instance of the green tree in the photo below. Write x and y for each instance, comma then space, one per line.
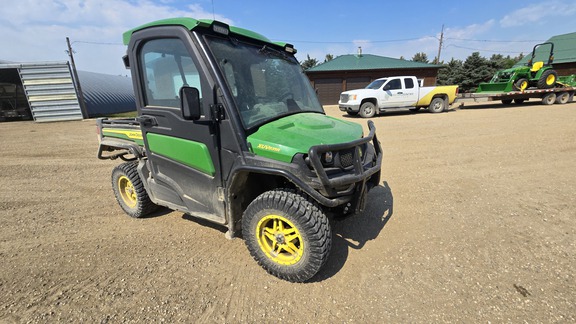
451, 73
308, 63
420, 57
476, 69
329, 57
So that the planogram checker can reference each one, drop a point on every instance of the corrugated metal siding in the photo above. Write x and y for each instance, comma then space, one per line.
50, 91
106, 94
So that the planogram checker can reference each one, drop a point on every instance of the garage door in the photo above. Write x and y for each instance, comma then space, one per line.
357, 83
328, 90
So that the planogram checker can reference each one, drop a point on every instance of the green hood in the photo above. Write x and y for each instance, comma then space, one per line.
285, 137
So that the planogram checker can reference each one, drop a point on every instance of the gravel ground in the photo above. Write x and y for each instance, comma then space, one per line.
474, 221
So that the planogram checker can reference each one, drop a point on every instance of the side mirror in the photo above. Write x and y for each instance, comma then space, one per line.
190, 103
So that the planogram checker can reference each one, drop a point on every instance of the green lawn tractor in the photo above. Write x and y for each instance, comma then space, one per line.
533, 74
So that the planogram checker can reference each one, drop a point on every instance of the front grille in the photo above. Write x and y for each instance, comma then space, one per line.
343, 98
346, 158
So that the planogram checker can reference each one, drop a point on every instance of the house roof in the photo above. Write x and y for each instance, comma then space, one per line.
564, 50
368, 62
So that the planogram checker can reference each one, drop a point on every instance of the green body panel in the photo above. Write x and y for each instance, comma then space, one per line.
127, 134
190, 153
191, 24
282, 139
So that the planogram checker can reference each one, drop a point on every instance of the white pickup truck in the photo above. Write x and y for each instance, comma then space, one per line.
396, 92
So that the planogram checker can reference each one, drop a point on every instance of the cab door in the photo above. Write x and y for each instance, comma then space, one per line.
183, 155
392, 94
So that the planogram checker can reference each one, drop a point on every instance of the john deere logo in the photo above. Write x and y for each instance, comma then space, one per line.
268, 148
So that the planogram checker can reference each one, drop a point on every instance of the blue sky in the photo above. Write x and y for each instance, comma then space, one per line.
36, 30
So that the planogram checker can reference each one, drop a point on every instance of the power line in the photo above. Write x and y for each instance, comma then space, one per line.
96, 43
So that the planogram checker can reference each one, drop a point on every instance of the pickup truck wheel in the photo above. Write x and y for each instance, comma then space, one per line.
367, 110
549, 99
562, 98
288, 235
130, 192
436, 106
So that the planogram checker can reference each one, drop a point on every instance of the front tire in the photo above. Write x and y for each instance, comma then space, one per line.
287, 235
367, 110
130, 192
352, 113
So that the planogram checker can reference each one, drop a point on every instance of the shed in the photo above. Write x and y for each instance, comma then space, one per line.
45, 91
564, 54
348, 72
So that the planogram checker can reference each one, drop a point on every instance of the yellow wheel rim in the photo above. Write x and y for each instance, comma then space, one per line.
550, 79
280, 240
127, 191
524, 85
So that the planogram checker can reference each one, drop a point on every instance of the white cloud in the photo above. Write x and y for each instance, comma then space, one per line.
539, 13
37, 30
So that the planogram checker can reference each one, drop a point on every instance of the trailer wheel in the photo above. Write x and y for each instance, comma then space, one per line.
521, 84
519, 101
548, 79
549, 99
287, 235
562, 98
436, 106
130, 192
367, 110
506, 101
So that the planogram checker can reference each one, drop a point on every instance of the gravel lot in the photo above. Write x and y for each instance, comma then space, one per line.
475, 221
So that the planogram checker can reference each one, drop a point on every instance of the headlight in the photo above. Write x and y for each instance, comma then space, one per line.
351, 97
328, 157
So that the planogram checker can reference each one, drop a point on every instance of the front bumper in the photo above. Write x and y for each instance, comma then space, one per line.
349, 107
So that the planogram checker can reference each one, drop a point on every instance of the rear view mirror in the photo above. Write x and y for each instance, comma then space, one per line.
190, 103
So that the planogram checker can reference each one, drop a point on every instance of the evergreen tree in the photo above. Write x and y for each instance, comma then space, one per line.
308, 63
329, 57
420, 57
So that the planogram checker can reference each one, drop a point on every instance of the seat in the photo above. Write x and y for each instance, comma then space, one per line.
537, 66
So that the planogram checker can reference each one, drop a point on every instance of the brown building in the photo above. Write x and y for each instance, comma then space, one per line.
564, 54
348, 72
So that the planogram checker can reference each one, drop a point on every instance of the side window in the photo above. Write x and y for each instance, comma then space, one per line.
394, 84
408, 83
166, 66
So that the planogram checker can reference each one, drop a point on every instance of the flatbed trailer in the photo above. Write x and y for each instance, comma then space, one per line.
558, 95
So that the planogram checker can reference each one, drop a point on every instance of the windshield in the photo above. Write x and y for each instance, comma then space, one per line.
266, 83
376, 84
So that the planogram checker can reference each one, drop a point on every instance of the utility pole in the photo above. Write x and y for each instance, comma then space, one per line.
76, 81
440, 45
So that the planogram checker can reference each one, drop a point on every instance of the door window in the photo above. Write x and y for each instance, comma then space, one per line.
166, 66
408, 83
394, 84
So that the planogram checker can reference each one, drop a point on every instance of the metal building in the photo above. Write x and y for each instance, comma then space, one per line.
45, 91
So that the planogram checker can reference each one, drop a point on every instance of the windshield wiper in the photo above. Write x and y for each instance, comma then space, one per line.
269, 50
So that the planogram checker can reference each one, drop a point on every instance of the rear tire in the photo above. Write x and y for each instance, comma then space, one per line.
130, 192
547, 80
519, 101
506, 101
549, 99
437, 105
367, 110
287, 235
562, 98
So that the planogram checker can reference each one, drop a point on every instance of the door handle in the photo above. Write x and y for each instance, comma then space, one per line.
399, 92
147, 121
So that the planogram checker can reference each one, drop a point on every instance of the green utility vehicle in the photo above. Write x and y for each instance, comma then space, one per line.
533, 74
230, 130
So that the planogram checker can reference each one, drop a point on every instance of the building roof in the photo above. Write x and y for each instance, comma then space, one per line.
106, 94
564, 50
351, 62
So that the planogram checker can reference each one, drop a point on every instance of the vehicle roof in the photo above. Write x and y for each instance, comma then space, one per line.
193, 24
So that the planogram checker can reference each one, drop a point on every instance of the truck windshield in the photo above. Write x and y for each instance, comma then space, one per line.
376, 84
266, 83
